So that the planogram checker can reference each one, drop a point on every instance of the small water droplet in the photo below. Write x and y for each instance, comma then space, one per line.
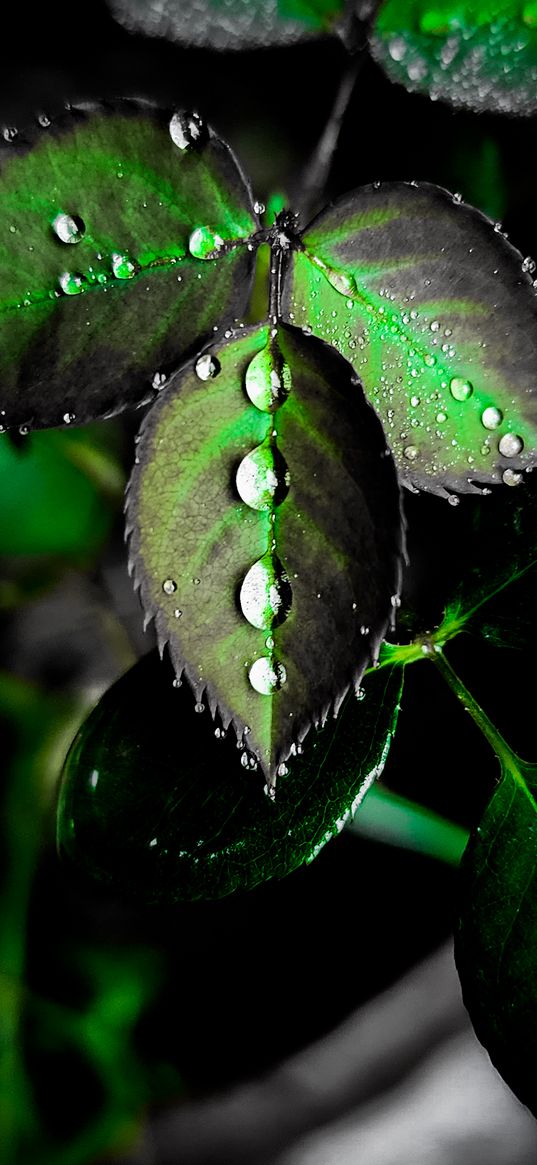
395, 601
71, 283
169, 586
196, 582
266, 595
510, 477
122, 266
245, 760
9, 133
441, 417
207, 367
177, 613
268, 380
263, 477
69, 228
267, 676
529, 265
460, 389
359, 693
177, 683
434, 326
510, 445
364, 630
43, 120
414, 400
159, 380
69, 418
204, 243
430, 360
187, 130
259, 207
411, 452
491, 417
453, 500
269, 642
282, 770
199, 708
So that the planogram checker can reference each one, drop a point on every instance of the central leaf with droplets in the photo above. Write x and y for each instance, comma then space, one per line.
266, 533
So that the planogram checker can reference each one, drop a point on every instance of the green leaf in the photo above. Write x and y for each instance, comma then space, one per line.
266, 538
230, 24
54, 489
495, 946
107, 220
438, 315
478, 55
157, 803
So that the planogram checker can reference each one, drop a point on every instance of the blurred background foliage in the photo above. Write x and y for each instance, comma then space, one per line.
108, 1010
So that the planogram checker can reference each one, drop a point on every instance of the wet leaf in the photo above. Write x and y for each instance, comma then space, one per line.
266, 537
107, 219
53, 502
231, 24
157, 803
495, 942
437, 313
479, 55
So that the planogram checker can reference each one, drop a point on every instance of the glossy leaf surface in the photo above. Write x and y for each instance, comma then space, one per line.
101, 294
478, 54
158, 804
495, 944
230, 24
54, 499
438, 315
266, 544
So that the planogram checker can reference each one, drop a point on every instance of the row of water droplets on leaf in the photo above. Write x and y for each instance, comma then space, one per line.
477, 54
427, 404
188, 132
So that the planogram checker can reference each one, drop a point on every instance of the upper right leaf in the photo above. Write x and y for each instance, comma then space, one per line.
437, 312
479, 55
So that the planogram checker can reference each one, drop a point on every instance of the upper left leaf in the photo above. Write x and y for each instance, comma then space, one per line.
122, 236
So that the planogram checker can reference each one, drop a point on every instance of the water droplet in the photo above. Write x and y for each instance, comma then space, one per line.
411, 452
268, 380
169, 586
9, 133
177, 683
177, 613
434, 326
207, 367
266, 595
510, 477
43, 120
245, 760
529, 265
342, 282
414, 400
199, 708
196, 582
263, 477
269, 642
491, 417
282, 770
259, 207
453, 500
204, 242
71, 283
441, 417
395, 601
510, 445
460, 389
69, 228
122, 266
430, 360
187, 130
69, 418
159, 380
267, 676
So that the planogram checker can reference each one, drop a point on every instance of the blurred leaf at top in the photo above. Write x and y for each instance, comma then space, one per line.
234, 24
60, 490
477, 54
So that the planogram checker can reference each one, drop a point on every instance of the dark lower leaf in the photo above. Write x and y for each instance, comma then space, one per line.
478, 54
158, 803
105, 283
266, 538
437, 313
495, 944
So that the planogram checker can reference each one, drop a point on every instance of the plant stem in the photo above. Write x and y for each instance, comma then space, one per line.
490, 732
317, 169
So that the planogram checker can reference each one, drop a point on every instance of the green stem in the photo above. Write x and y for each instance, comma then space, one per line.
499, 746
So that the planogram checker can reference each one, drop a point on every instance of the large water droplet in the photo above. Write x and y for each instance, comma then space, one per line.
267, 675
187, 130
207, 367
491, 417
511, 477
71, 283
339, 280
263, 477
122, 266
204, 242
268, 380
510, 445
266, 595
460, 389
411, 452
68, 228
